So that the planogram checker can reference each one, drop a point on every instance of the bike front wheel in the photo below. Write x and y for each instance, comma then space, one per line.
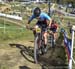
36, 54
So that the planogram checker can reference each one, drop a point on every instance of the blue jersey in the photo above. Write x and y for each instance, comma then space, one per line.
43, 16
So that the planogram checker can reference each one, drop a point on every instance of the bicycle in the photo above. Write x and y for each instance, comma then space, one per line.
38, 43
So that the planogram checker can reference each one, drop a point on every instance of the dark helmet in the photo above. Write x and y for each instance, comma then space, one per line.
37, 11
62, 30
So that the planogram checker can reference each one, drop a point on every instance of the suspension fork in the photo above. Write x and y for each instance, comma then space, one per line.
39, 40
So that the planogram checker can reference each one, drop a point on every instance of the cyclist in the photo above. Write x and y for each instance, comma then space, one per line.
54, 28
43, 20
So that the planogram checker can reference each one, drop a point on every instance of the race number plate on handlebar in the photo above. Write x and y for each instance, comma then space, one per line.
38, 30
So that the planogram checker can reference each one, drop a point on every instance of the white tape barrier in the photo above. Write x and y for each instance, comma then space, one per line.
11, 16
65, 13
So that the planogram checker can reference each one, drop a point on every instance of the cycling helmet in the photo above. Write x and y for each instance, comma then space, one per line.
37, 11
62, 30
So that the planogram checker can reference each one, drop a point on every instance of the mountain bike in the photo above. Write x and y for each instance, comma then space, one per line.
38, 44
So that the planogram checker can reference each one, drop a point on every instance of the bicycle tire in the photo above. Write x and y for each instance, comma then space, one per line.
27, 55
51, 40
36, 50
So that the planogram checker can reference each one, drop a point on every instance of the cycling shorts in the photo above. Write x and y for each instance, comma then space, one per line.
53, 30
53, 27
42, 25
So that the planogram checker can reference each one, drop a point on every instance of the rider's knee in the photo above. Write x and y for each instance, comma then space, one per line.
45, 34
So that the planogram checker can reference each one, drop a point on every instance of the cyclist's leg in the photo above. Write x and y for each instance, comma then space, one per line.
55, 34
54, 37
44, 29
45, 34
45, 41
45, 38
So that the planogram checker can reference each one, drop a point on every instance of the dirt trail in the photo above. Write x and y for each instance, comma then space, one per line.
11, 58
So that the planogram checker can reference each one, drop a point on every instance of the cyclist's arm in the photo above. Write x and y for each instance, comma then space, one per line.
48, 18
29, 21
50, 21
31, 18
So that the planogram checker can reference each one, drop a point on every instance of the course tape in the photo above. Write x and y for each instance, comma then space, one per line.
11, 16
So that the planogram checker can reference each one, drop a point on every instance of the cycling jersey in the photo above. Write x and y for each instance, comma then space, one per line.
43, 17
53, 27
42, 20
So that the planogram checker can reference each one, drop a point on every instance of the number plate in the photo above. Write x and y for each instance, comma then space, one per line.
38, 30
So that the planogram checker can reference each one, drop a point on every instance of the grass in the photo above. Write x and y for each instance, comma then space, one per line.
4, 66
21, 34
13, 32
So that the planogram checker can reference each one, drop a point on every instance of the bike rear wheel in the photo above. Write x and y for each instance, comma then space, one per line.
27, 54
51, 40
